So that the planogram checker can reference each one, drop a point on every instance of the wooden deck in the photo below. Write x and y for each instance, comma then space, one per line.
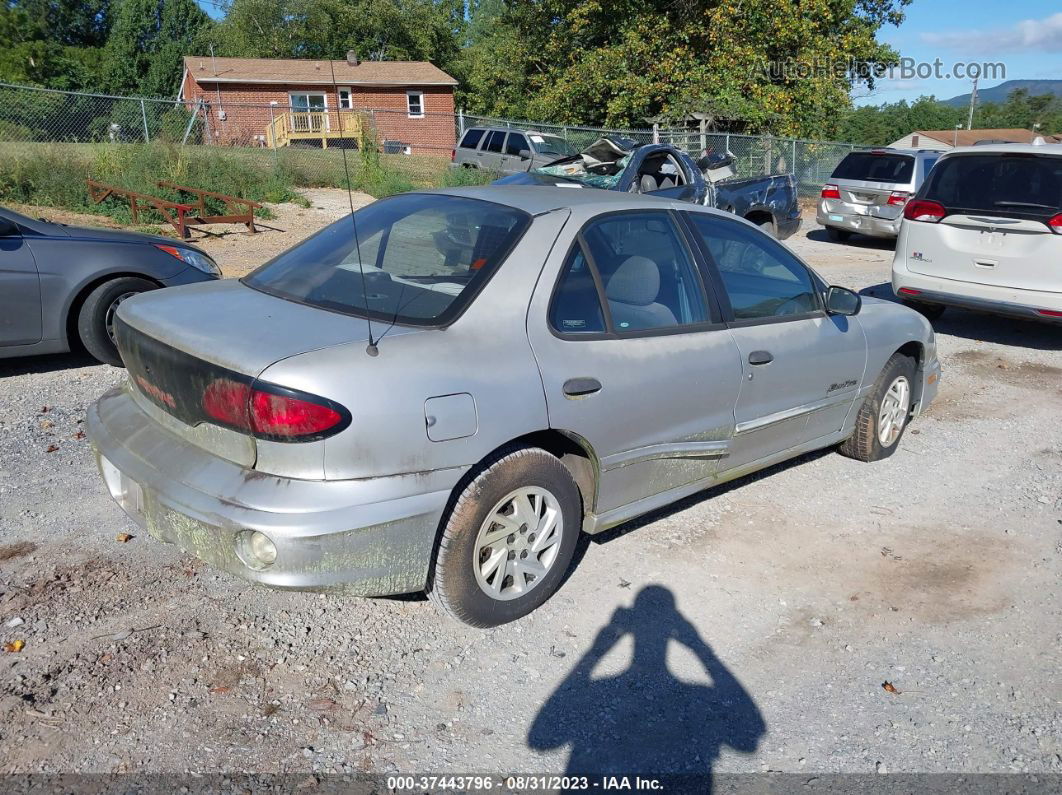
288, 127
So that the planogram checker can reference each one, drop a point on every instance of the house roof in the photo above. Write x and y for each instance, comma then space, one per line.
205, 69
971, 137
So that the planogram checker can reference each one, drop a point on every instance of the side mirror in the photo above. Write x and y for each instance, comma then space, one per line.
842, 301
525, 154
8, 228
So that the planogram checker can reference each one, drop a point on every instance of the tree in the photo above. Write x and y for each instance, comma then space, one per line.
146, 42
622, 63
53, 44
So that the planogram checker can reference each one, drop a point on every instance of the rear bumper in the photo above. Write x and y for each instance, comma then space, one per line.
872, 225
787, 227
980, 297
371, 537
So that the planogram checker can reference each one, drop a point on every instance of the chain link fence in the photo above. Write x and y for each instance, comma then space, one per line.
307, 145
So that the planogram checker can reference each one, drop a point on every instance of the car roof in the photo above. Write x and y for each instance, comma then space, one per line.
538, 199
987, 149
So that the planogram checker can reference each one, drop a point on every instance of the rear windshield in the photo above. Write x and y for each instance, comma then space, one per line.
873, 167
424, 258
1016, 185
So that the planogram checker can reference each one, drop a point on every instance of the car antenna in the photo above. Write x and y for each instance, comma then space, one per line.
371, 348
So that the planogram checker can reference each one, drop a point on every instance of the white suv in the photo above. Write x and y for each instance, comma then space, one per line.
985, 232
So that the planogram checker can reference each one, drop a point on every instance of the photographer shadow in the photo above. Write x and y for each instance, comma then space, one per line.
644, 721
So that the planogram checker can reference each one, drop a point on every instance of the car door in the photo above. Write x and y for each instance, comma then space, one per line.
633, 355
802, 368
491, 152
20, 289
513, 162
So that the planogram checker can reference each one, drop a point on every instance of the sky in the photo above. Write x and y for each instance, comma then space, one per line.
1024, 35
1026, 39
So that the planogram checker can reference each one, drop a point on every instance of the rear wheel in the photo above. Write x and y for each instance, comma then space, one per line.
929, 311
883, 416
837, 235
508, 540
95, 321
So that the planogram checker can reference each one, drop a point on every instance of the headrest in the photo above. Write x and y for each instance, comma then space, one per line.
636, 281
647, 184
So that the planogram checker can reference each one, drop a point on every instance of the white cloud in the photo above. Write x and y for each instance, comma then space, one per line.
1039, 35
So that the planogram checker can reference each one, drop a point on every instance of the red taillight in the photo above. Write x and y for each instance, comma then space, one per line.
1055, 224
830, 192
282, 415
1048, 313
898, 198
923, 210
273, 413
228, 402
909, 291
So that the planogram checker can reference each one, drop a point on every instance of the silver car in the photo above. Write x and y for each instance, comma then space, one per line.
867, 191
444, 393
508, 151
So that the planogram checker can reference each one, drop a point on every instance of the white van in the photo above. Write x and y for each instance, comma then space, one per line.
985, 232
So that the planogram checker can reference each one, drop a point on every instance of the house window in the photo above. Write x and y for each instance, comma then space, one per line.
415, 104
345, 100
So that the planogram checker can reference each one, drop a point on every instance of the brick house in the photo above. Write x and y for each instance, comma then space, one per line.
273, 102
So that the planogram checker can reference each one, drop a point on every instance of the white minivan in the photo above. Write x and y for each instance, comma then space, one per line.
985, 232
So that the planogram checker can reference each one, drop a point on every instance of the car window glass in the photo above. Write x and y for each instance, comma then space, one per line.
648, 274
471, 139
875, 167
1014, 185
515, 144
494, 142
761, 278
576, 307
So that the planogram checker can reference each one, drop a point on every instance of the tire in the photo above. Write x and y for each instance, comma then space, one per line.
837, 235
463, 582
929, 311
97, 313
767, 227
868, 442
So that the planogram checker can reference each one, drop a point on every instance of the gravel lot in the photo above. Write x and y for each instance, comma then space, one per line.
791, 597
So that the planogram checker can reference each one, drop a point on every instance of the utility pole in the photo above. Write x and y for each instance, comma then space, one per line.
973, 104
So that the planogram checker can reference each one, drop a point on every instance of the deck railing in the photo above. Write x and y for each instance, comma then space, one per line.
320, 125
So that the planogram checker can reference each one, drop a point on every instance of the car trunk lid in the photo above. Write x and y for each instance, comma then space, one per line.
175, 343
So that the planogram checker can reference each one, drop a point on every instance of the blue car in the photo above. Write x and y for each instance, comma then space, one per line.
60, 285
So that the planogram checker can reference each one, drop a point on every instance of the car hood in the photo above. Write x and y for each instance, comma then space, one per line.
117, 236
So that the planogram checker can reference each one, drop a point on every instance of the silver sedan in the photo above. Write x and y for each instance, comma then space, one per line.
443, 390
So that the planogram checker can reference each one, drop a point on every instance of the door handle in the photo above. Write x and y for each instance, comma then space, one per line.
577, 387
760, 357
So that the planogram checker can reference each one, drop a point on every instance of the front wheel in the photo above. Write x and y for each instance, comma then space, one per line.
95, 321
508, 541
883, 416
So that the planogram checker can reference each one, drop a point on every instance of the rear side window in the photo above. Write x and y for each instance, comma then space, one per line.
471, 139
1016, 185
515, 144
873, 167
424, 257
576, 307
494, 141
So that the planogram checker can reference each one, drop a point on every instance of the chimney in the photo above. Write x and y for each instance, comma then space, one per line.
914, 141
352, 58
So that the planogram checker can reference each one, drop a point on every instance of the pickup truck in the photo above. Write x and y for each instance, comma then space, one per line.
622, 164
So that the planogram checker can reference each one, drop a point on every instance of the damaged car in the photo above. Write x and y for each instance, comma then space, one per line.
444, 393
623, 164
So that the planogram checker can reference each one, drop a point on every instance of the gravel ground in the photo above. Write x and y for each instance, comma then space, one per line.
790, 597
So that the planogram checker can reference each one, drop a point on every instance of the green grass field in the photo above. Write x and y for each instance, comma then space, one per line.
54, 174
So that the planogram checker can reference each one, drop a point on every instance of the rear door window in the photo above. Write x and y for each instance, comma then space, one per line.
875, 167
471, 139
494, 141
1015, 185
